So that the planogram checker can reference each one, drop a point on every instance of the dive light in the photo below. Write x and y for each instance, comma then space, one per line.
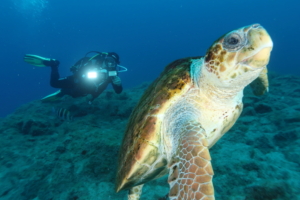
93, 74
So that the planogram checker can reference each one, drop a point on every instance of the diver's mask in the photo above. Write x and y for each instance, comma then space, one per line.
111, 65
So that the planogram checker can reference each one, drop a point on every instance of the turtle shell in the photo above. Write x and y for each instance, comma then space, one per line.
141, 156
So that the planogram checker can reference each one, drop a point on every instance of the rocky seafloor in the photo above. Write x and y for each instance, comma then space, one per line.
43, 157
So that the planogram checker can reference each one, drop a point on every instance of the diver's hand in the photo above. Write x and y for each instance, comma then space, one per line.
51, 63
116, 80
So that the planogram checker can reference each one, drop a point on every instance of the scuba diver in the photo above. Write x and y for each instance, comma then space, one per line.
91, 75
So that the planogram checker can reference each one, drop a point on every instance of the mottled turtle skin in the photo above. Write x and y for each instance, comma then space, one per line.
184, 112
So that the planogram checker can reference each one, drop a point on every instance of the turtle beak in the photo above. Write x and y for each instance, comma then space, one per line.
256, 54
262, 42
258, 60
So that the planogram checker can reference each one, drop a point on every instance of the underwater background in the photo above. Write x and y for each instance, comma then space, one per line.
43, 157
146, 34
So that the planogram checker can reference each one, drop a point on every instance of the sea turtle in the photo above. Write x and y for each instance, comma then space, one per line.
185, 111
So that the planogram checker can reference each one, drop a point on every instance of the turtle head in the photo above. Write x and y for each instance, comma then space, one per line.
240, 56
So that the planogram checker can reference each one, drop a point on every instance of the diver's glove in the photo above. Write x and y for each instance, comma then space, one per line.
51, 62
116, 80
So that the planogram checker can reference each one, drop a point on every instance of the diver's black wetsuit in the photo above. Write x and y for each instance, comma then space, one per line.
77, 87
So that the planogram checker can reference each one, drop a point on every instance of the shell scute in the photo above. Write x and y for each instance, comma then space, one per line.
142, 136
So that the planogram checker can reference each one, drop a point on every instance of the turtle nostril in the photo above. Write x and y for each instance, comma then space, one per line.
255, 25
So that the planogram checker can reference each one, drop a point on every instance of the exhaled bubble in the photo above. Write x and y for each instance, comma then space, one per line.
30, 7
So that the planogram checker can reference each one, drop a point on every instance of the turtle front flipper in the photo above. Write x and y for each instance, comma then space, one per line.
261, 84
191, 173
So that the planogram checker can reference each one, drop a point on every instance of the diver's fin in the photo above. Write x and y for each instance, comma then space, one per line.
261, 84
52, 97
36, 60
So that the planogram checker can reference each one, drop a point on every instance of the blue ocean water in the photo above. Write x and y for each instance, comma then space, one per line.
146, 34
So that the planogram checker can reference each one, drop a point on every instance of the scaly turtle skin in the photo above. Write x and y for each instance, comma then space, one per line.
184, 112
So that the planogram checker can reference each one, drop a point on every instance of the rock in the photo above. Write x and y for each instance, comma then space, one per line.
263, 108
43, 157
284, 138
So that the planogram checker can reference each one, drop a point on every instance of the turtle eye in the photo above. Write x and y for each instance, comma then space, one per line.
234, 41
